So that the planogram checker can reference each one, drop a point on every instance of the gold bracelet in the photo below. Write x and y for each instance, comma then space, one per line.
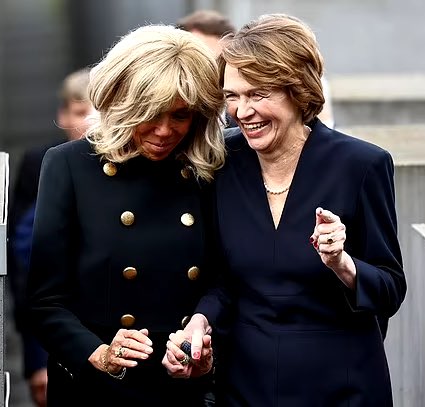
118, 376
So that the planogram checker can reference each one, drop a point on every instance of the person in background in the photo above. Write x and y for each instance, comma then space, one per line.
209, 26
73, 109
307, 225
120, 249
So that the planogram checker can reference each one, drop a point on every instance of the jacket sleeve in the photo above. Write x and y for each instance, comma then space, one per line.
381, 284
53, 265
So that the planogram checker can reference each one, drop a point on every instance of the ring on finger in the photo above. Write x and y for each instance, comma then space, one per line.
186, 347
119, 352
330, 240
185, 361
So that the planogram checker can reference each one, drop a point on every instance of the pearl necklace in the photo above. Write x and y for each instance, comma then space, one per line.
307, 131
279, 192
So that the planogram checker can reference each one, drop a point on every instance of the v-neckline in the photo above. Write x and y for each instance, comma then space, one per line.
279, 214
290, 192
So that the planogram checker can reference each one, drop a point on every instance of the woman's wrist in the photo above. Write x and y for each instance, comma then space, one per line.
106, 366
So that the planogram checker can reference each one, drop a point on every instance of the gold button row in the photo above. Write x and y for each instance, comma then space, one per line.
128, 218
110, 169
128, 320
130, 273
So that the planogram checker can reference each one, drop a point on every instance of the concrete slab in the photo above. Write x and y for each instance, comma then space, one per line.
377, 87
406, 143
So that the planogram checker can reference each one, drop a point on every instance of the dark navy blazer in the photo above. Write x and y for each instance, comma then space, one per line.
80, 287
298, 336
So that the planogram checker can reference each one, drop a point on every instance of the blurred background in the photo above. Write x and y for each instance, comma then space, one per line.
374, 61
43, 40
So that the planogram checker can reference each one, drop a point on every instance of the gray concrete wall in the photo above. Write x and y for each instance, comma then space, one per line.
405, 342
374, 36
378, 99
382, 36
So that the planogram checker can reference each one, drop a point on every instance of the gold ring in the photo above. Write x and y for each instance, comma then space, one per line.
185, 361
329, 241
118, 353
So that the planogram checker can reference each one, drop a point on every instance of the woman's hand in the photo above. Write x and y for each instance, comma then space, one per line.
328, 239
126, 346
197, 333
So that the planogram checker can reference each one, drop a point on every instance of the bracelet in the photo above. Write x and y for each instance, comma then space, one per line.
118, 376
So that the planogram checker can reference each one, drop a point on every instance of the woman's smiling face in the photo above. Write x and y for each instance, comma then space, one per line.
264, 115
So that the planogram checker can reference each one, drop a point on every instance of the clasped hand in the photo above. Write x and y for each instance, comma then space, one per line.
197, 332
126, 346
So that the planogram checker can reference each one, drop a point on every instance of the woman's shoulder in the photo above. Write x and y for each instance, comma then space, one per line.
362, 149
70, 152
73, 145
79, 147
348, 144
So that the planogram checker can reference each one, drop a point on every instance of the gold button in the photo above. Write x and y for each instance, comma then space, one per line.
185, 321
127, 320
187, 219
185, 172
110, 169
127, 218
129, 273
193, 273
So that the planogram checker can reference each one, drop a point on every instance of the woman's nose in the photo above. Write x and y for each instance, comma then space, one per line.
163, 127
244, 109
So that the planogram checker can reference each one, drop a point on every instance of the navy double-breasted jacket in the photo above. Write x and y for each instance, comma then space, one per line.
298, 336
114, 246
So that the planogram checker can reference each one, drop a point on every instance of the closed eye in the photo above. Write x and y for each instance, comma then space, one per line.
230, 96
183, 114
257, 96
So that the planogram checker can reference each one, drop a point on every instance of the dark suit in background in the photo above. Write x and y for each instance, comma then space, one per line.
23, 200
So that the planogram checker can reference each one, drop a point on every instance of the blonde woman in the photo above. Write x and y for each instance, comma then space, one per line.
120, 244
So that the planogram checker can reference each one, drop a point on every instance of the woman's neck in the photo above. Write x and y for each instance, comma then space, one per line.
277, 165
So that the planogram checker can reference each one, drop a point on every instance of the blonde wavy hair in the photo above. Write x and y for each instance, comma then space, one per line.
278, 51
140, 77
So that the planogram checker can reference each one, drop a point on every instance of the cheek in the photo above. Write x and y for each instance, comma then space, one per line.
183, 128
141, 131
142, 128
